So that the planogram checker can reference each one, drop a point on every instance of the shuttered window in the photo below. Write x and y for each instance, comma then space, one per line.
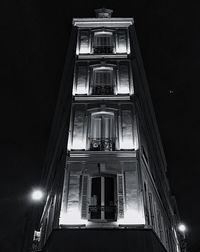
102, 132
102, 81
103, 77
103, 42
103, 198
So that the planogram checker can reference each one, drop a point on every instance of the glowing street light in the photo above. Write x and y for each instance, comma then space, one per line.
182, 228
37, 195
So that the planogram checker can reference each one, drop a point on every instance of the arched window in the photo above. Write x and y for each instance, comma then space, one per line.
102, 131
103, 42
102, 81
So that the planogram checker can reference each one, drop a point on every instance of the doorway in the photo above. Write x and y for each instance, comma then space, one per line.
103, 200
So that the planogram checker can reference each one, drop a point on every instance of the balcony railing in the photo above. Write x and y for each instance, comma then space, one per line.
103, 49
102, 90
100, 144
102, 208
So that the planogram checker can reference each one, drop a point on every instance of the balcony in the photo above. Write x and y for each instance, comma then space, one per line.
102, 90
103, 49
100, 144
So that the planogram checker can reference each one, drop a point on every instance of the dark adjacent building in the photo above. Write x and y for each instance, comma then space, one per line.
105, 172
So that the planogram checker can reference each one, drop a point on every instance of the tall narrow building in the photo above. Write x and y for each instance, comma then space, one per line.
105, 171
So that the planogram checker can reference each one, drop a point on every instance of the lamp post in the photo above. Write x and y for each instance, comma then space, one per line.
35, 197
182, 231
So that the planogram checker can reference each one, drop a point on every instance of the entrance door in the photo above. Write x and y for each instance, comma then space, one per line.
103, 199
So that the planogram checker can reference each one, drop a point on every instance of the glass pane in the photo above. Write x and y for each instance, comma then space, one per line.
95, 202
102, 133
103, 43
106, 128
110, 207
96, 128
103, 82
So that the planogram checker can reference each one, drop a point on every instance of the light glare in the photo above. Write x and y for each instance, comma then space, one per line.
182, 228
37, 195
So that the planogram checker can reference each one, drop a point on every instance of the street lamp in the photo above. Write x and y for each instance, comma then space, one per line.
182, 228
37, 195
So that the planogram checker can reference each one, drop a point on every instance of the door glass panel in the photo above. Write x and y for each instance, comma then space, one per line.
103, 199
95, 207
110, 207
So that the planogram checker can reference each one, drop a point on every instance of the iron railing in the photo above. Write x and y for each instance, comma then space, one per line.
102, 144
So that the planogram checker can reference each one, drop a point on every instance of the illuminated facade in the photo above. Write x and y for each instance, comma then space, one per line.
106, 167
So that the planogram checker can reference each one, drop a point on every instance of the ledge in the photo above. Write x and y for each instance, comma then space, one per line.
102, 154
103, 56
99, 22
107, 240
102, 97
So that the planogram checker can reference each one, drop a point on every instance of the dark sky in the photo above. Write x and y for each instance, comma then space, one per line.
35, 37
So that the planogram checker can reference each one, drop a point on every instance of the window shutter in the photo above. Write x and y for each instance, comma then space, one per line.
124, 80
79, 136
81, 81
84, 200
126, 141
151, 210
134, 209
131, 189
84, 42
160, 225
121, 45
73, 194
120, 195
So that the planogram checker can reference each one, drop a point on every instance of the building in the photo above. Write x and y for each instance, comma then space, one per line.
105, 172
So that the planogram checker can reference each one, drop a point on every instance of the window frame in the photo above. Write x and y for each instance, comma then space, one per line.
112, 112
99, 67
97, 32
102, 177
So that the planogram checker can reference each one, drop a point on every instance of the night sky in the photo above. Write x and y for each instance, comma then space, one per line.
35, 38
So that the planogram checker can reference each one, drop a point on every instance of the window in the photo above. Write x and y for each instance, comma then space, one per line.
102, 128
102, 81
103, 42
102, 131
102, 78
103, 198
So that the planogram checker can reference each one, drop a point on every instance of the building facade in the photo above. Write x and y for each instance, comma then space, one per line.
105, 168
